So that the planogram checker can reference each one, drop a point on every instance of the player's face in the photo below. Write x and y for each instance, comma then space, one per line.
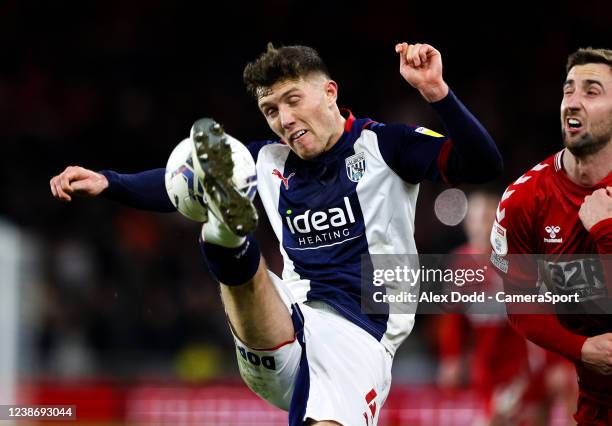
301, 112
586, 109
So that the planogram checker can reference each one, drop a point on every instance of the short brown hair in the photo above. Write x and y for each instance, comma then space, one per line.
589, 55
283, 63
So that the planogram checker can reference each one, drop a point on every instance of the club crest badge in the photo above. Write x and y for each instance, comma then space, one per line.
355, 166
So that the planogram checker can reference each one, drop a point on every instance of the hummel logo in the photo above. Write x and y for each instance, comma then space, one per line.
285, 180
553, 231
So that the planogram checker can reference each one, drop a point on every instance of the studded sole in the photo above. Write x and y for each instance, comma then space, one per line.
214, 154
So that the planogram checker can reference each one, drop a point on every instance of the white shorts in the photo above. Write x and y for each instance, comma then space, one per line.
332, 370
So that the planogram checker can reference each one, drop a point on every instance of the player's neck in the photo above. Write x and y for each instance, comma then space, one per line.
590, 169
339, 122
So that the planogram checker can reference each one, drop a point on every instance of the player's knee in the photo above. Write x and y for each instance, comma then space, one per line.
311, 422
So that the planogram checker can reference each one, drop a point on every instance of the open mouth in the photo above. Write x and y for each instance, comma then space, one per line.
297, 135
573, 124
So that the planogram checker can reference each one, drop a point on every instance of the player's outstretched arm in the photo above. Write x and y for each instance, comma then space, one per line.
75, 180
145, 190
473, 156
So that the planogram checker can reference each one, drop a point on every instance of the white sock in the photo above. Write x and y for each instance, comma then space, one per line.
217, 232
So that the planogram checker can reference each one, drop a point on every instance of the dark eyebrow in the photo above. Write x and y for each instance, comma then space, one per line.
595, 82
284, 95
585, 83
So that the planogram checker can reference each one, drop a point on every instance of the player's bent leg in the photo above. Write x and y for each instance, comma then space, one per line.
266, 348
258, 315
311, 422
271, 373
256, 312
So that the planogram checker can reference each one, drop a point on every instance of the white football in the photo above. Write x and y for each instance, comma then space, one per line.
185, 190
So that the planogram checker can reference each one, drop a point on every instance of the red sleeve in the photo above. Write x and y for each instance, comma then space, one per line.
546, 331
602, 235
512, 239
512, 235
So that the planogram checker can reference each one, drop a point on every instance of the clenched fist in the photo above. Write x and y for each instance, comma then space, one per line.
596, 207
421, 67
75, 180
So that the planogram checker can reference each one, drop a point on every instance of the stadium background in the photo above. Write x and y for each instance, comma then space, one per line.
114, 305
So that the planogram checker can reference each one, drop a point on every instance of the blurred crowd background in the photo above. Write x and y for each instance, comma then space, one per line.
121, 293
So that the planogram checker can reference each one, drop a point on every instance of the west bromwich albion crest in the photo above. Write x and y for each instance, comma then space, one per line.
355, 166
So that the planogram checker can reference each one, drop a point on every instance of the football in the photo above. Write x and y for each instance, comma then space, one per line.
185, 190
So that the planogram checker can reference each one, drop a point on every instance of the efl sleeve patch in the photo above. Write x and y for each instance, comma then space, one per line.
498, 239
428, 132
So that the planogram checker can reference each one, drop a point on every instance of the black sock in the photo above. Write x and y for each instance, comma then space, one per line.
232, 266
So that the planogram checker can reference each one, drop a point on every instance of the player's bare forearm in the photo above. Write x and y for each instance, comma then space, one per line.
434, 93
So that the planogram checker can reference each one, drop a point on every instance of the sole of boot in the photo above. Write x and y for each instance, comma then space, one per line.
213, 153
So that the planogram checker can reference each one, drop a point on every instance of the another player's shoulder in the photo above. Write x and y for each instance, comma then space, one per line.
267, 147
518, 212
524, 193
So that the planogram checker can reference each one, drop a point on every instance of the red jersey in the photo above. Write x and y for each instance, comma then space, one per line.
538, 214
